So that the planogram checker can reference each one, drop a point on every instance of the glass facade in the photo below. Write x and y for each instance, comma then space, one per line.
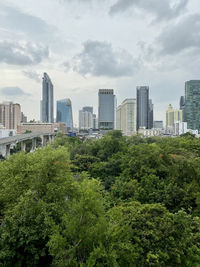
142, 107
64, 113
107, 109
47, 110
192, 104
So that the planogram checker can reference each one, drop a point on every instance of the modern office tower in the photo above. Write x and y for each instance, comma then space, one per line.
126, 117
142, 107
107, 109
192, 104
158, 124
64, 113
85, 120
150, 117
47, 110
10, 115
173, 115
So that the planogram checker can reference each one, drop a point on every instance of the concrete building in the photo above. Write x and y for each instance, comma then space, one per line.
142, 106
173, 115
64, 113
192, 104
150, 132
47, 102
41, 127
106, 109
126, 117
158, 125
10, 115
180, 128
85, 120
6, 132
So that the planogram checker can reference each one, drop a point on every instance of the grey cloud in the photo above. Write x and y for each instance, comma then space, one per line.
100, 59
161, 9
22, 53
182, 36
13, 91
15, 19
33, 75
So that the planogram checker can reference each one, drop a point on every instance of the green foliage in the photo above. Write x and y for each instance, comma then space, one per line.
112, 202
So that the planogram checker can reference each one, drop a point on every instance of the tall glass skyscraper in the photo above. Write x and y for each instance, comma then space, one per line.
142, 107
107, 109
64, 113
192, 104
47, 111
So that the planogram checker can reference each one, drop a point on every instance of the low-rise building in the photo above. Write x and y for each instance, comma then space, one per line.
150, 132
42, 127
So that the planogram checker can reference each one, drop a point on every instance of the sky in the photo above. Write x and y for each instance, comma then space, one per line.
85, 45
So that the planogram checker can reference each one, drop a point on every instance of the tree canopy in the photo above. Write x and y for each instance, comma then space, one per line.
112, 202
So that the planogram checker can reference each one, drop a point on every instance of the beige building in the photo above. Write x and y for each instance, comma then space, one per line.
42, 127
10, 115
172, 116
126, 117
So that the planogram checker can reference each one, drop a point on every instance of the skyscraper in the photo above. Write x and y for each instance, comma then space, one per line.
107, 109
192, 104
47, 110
126, 117
10, 115
142, 107
85, 119
150, 115
64, 113
172, 116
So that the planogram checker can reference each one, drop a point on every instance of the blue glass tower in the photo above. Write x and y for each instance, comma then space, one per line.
64, 113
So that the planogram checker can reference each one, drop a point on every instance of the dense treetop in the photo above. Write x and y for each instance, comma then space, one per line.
112, 202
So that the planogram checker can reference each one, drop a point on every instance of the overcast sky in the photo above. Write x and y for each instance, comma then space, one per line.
85, 45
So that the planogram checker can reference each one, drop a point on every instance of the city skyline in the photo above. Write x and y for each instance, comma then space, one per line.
135, 44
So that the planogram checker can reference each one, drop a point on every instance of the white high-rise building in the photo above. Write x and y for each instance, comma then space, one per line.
127, 117
85, 120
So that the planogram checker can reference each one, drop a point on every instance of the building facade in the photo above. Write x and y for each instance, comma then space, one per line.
192, 104
142, 106
64, 113
47, 102
42, 127
172, 116
150, 115
85, 120
126, 117
158, 125
106, 109
10, 115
